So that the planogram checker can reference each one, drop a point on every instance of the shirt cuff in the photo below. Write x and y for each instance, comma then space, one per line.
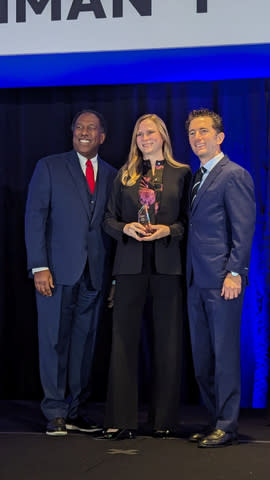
39, 269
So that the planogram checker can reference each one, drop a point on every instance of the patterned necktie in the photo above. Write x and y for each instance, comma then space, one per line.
197, 180
90, 176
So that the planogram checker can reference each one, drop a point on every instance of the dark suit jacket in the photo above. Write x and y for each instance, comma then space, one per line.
63, 220
221, 225
123, 208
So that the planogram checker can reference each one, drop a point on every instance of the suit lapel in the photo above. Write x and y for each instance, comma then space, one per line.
100, 189
209, 180
75, 170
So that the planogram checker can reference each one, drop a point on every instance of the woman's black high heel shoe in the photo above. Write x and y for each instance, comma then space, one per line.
120, 434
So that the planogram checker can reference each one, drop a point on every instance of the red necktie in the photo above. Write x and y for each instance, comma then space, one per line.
90, 176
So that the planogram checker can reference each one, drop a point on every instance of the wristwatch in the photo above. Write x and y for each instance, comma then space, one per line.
234, 274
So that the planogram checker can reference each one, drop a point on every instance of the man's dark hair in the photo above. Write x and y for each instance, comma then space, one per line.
205, 112
93, 112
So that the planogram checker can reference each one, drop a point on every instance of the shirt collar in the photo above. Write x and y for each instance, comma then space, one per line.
147, 165
212, 163
83, 160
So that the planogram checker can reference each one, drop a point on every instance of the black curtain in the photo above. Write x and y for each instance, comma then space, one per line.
36, 122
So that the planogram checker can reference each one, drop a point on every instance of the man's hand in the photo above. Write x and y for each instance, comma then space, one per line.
135, 229
231, 287
44, 282
158, 231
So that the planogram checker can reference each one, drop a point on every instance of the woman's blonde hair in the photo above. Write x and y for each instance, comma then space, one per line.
132, 169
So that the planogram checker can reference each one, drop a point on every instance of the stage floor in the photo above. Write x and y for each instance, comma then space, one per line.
26, 453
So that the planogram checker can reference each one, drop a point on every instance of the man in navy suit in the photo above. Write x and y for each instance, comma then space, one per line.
221, 227
67, 254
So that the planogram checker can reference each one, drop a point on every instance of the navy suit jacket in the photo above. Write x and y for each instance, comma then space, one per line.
221, 226
63, 220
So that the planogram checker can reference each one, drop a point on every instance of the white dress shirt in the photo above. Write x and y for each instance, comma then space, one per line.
210, 165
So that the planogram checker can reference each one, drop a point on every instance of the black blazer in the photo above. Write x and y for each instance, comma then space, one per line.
123, 208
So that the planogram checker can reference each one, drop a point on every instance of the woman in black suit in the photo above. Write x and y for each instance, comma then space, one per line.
146, 214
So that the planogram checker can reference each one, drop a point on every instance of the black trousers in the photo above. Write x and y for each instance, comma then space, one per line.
130, 297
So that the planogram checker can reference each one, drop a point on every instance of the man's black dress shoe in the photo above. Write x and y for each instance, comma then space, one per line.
162, 433
198, 436
218, 438
120, 434
82, 424
57, 427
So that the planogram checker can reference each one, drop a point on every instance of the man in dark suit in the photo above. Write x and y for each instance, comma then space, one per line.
221, 227
67, 254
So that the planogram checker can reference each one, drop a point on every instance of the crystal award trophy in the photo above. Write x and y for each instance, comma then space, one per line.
144, 218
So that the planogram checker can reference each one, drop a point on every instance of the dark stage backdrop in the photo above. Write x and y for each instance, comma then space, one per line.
35, 122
